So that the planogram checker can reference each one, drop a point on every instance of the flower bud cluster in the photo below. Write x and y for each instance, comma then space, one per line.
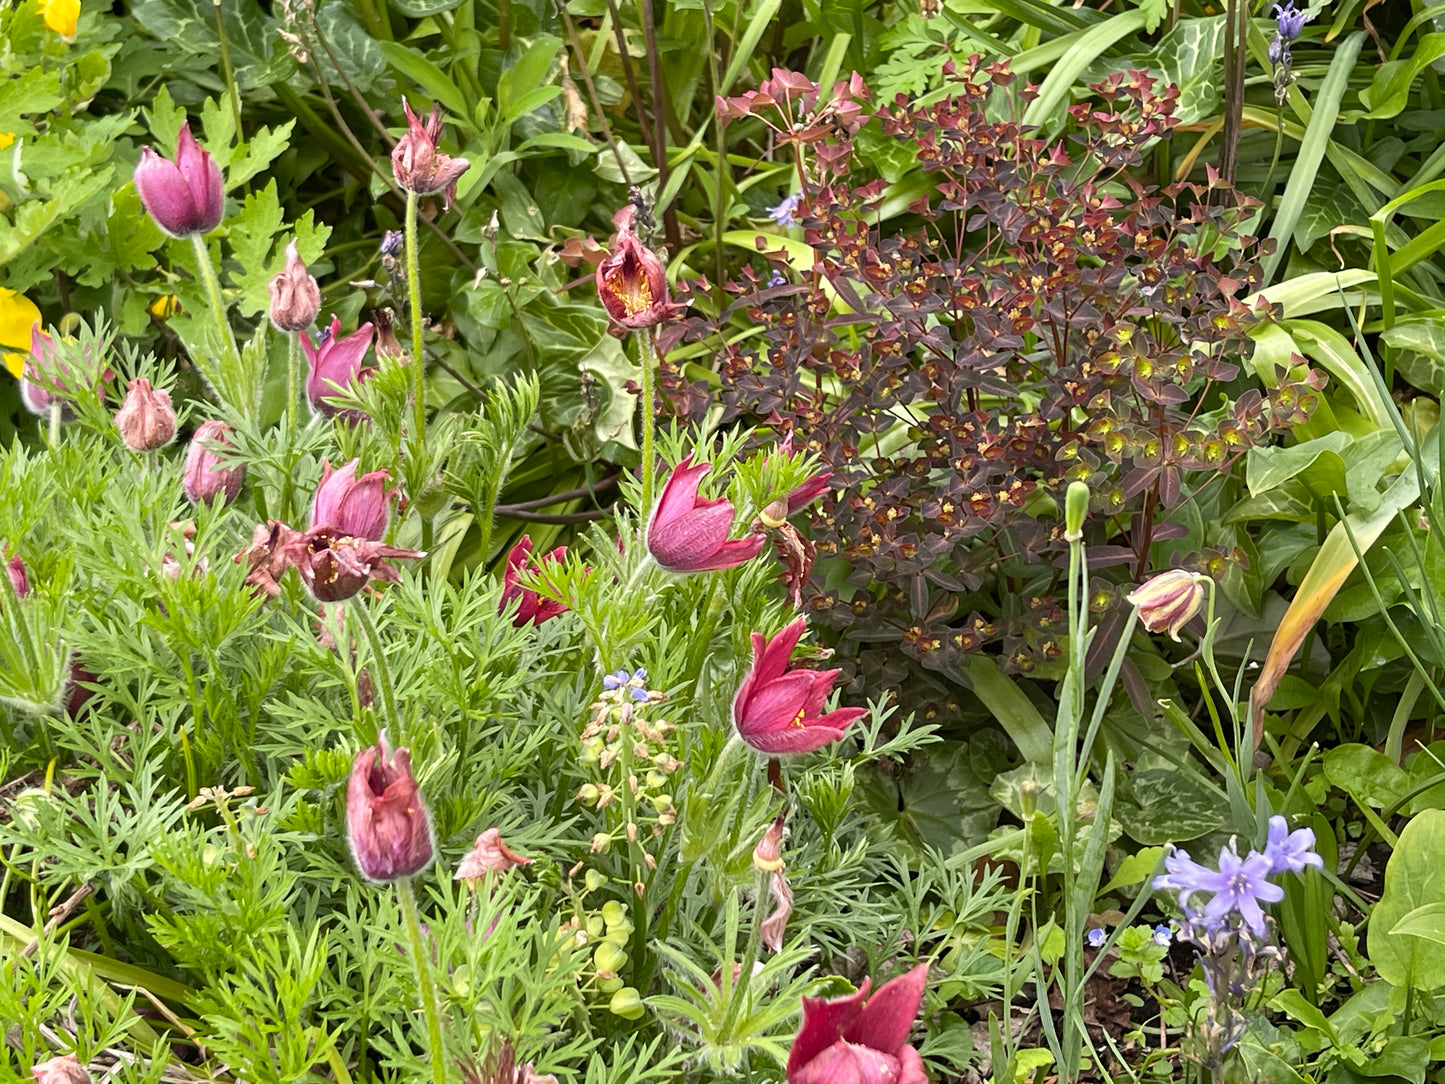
632, 753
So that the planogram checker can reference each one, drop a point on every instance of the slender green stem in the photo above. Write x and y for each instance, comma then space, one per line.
383, 672
420, 958
649, 420
213, 291
292, 419
54, 419
413, 286
232, 92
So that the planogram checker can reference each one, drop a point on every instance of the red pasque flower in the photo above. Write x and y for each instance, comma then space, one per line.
418, 165
533, 607
688, 534
15, 570
776, 711
206, 476
185, 196
335, 363
146, 420
334, 565
359, 507
861, 1040
295, 296
631, 281
388, 824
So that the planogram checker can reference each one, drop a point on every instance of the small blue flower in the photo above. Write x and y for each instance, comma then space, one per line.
637, 675
1163, 935
783, 213
617, 680
1289, 22
640, 695
777, 279
1096, 937
1290, 851
1277, 51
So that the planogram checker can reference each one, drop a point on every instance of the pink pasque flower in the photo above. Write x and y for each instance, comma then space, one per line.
185, 196
418, 165
388, 825
777, 711
490, 854
861, 1040
533, 607
631, 281
688, 534
335, 363
358, 507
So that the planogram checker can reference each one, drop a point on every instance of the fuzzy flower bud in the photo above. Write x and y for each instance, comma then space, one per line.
388, 824
15, 570
146, 419
295, 297
205, 475
185, 196
1169, 600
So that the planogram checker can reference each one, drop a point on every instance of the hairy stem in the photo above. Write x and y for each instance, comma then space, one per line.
383, 672
419, 959
649, 361
213, 291
413, 288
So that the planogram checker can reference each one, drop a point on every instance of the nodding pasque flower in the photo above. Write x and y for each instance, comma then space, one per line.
146, 419
860, 1039
631, 281
531, 607
388, 825
335, 363
418, 165
48, 380
295, 296
490, 854
358, 507
777, 711
342, 550
1167, 602
689, 534
185, 196
206, 475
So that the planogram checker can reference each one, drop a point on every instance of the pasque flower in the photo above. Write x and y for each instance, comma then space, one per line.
532, 607
418, 165
860, 1039
206, 475
1168, 601
48, 380
388, 825
334, 565
358, 507
63, 1069
631, 281
146, 419
295, 296
335, 362
779, 711
185, 196
490, 854
15, 570
688, 534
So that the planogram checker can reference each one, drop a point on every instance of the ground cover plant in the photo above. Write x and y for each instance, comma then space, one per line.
781, 541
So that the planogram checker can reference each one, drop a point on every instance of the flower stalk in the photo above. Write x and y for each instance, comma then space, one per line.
427, 990
383, 672
646, 404
213, 291
413, 289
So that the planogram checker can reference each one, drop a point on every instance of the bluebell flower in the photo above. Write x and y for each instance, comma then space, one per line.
1096, 937
1184, 876
1163, 935
1288, 851
1289, 22
639, 694
783, 213
777, 279
1238, 887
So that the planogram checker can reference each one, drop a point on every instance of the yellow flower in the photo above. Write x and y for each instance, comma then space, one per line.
18, 315
163, 307
6, 138
61, 16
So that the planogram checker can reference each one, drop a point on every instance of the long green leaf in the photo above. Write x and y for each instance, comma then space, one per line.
1312, 150
1012, 709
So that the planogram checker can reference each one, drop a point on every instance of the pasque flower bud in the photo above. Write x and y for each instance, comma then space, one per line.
295, 297
15, 570
388, 825
146, 419
185, 196
206, 475
335, 363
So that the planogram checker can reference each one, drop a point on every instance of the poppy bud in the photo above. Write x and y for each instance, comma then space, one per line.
206, 476
1168, 601
388, 824
146, 419
295, 297
185, 196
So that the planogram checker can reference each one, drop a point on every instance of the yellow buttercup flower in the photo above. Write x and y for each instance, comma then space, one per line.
6, 139
163, 307
61, 16
18, 315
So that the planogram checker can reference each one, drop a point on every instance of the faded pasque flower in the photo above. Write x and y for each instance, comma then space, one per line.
295, 297
334, 566
146, 419
185, 196
268, 557
631, 281
861, 1040
1290, 852
335, 363
777, 711
358, 507
768, 854
532, 607
206, 475
687, 534
489, 855
63, 1069
1169, 600
418, 165
388, 824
